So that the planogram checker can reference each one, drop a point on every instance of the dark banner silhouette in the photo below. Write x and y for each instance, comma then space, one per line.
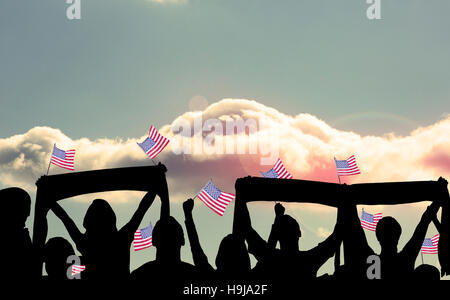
249, 189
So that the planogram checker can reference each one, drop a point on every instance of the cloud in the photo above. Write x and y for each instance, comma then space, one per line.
323, 232
305, 143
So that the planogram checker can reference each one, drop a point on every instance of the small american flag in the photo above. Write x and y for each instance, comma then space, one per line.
154, 143
77, 269
347, 167
215, 198
369, 221
63, 159
278, 171
430, 245
143, 238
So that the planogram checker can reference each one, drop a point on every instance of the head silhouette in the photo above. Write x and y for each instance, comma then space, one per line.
289, 233
100, 218
56, 252
15, 204
426, 273
232, 257
168, 235
388, 233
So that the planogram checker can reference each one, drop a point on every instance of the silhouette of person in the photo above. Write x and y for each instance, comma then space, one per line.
394, 265
232, 260
287, 264
167, 270
105, 249
17, 251
56, 252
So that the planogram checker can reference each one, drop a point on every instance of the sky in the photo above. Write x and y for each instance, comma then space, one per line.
326, 79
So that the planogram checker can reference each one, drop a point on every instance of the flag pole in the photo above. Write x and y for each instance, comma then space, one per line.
421, 254
337, 172
49, 166
54, 145
337, 254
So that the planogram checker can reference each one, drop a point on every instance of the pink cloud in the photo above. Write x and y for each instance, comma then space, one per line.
306, 145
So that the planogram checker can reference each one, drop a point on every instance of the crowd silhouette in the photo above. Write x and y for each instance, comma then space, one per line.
105, 249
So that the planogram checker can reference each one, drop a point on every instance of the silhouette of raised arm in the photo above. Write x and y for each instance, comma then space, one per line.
242, 226
437, 224
163, 193
198, 255
356, 248
274, 233
326, 249
412, 248
72, 229
130, 228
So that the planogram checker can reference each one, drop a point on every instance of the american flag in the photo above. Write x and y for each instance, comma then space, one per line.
215, 198
77, 269
154, 143
278, 171
63, 159
369, 221
143, 238
430, 245
347, 167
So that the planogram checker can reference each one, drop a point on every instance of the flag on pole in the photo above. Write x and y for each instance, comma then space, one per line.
63, 159
278, 171
347, 167
369, 221
77, 269
430, 245
154, 143
214, 198
143, 238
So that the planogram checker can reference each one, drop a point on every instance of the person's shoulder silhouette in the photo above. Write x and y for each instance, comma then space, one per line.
17, 250
233, 260
167, 238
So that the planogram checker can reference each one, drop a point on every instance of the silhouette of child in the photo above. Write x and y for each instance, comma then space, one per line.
56, 252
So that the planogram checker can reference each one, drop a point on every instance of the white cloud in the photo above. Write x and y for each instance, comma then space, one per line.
307, 146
